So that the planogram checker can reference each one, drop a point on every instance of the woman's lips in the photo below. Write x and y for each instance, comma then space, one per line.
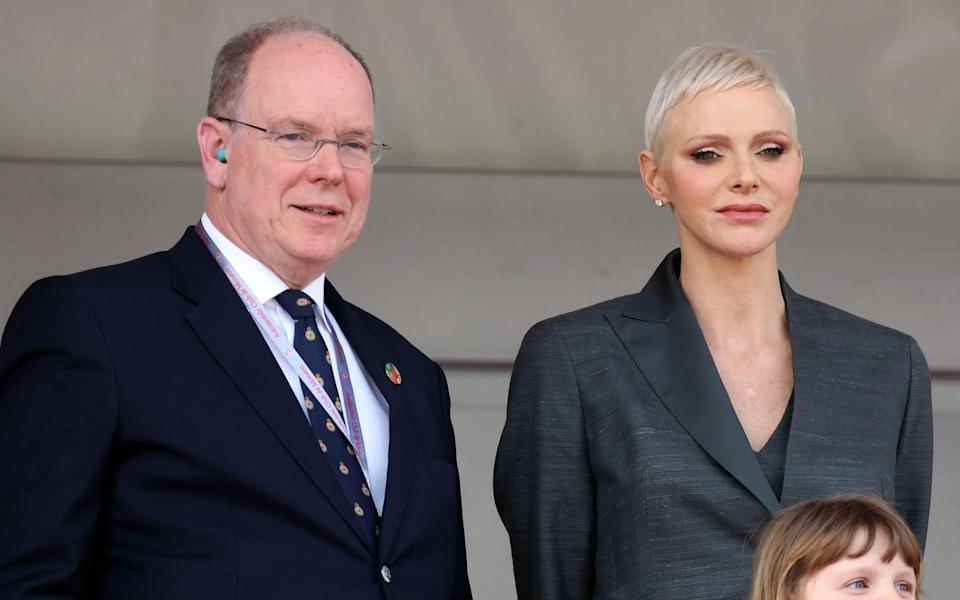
744, 212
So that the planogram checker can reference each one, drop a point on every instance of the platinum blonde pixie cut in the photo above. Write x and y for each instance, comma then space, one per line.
701, 69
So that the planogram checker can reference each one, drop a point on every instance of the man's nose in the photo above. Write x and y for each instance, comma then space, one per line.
325, 164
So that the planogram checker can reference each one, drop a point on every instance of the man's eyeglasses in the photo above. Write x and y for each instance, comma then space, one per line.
353, 153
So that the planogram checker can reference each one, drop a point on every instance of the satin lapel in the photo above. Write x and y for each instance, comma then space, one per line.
406, 428
225, 327
661, 332
810, 404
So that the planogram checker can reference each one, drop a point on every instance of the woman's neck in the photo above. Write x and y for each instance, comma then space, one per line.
735, 297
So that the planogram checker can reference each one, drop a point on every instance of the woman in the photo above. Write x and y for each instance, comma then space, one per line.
650, 436
837, 549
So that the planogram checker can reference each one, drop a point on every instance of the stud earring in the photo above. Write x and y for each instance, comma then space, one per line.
659, 203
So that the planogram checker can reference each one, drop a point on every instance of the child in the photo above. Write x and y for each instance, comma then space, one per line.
840, 548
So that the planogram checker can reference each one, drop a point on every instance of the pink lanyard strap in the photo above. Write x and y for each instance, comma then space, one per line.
283, 348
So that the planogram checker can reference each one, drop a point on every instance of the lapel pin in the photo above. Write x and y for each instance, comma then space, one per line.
393, 373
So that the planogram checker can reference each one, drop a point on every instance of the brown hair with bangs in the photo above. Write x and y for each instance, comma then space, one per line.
811, 535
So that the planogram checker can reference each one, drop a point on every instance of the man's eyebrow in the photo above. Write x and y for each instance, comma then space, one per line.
296, 124
288, 123
357, 132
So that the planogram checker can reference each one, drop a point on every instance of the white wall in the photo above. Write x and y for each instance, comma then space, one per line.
463, 263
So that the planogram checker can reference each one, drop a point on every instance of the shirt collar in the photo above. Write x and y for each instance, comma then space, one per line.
264, 283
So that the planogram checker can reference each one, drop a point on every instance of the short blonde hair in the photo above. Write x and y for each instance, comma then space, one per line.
812, 535
701, 69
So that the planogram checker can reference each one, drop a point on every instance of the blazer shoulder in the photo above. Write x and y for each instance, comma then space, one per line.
120, 282
147, 271
843, 324
582, 321
77, 307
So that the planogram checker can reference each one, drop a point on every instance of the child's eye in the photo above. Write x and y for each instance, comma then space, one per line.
857, 584
904, 587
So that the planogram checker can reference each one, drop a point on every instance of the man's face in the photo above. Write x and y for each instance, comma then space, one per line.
297, 216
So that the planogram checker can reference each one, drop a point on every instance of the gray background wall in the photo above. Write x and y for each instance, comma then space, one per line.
510, 196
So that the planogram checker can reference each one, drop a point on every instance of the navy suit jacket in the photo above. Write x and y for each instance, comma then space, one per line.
152, 448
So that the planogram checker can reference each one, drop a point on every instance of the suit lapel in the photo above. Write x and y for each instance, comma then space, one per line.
221, 321
810, 404
661, 332
406, 431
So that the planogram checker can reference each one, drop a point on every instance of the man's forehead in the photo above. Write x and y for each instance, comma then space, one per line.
304, 54
300, 76
301, 43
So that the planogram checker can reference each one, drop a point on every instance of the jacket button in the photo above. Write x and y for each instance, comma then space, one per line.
385, 573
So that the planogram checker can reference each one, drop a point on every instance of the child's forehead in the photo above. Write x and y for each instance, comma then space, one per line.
875, 546
865, 539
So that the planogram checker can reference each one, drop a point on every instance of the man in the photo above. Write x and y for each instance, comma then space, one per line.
216, 421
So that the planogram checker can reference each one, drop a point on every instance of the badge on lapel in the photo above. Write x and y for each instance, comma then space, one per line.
393, 373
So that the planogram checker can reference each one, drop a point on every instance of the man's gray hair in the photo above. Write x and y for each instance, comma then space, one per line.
701, 69
230, 68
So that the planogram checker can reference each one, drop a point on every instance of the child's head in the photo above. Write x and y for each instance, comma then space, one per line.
844, 547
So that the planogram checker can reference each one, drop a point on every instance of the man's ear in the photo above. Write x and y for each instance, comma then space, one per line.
652, 179
212, 136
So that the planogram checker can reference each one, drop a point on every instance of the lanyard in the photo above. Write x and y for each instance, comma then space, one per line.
283, 348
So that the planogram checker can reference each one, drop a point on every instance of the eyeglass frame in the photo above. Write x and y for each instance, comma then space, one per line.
376, 149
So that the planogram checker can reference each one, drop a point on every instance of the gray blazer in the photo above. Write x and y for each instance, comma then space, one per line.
623, 471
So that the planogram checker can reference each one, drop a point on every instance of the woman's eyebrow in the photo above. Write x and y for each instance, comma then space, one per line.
771, 133
710, 137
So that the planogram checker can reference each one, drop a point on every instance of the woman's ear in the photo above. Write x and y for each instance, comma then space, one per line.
652, 178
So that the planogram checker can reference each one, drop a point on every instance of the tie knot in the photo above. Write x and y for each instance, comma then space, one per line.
297, 304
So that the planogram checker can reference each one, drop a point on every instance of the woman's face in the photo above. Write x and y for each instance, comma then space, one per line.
863, 578
730, 168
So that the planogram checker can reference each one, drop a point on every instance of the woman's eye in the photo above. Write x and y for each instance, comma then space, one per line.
771, 150
704, 155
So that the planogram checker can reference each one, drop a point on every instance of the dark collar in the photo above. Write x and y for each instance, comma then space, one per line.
661, 332
223, 324
663, 297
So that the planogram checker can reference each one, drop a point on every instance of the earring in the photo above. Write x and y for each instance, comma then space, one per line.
659, 203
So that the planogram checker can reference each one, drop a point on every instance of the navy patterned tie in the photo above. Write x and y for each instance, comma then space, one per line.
338, 450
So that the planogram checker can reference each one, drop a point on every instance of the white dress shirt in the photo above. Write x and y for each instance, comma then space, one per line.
372, 409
